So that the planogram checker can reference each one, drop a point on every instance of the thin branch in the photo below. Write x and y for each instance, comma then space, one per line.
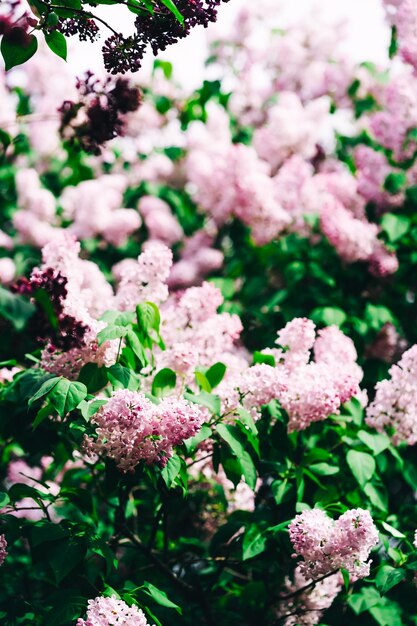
306, 587
193, 593
82, 12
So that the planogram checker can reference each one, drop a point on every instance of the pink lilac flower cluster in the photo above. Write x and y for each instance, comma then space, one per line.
394, 409
306, 608
159, 220
85, 296
334, 197
307, 58
35, 219
198, 258
49, 83
291, 128
130, 428
326, 545
273, 191
316, 389
403, 15
195, 334
231, 180
95, 209
396, 117
309, 390
109, 611
371, 173
7, 374
144, 279
3, 549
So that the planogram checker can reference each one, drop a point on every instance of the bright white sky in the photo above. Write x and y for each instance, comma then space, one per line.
368, 34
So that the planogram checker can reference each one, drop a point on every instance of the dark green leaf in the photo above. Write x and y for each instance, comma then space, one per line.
57, 43
164, 382
15, 308
362, 466
215, 374
254, 543
388, 577
160, 597
17, 53
66, 395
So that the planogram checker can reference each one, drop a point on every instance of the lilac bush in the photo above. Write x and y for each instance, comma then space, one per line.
207, 311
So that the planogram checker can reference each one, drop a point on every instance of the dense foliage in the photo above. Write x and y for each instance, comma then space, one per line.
208, 396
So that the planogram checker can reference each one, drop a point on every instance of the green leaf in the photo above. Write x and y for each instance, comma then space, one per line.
164, 382
122, 377
4, 499
377, 496
362, 466
259, 357
171, 6
88, 409
215, 374
376, 315
202, 381
192, 443
247, 420
346, 578
324, 469
329, 316
279, 489
57, 43
248, 469
209, 400
364, 600
395, 226
355, 409
148, 317
375, 441
136, 346
44, 389
17, 53
18, 491
118, 318
66, 395
395, 182
160, 597
64, 556
254, 543
388, 614
388, 577
42, 414
171, 470
393, 531
93, 377
5, 141
15, 308
111, 332
229, 434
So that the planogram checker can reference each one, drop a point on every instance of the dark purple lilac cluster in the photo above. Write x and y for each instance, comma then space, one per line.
85, 28
123, 54
51, 324
103, 107
158, 30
